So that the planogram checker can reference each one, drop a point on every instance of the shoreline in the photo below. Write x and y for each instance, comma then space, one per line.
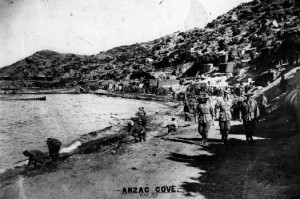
87, 141
137, 96
172, 162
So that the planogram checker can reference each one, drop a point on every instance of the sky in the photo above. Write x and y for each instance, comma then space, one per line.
90, 26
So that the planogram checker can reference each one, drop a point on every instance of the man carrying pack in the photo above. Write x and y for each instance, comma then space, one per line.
249, 112
138, 131
54, 147
223, 112
205, 117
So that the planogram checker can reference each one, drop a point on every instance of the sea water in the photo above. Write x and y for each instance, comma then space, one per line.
25, 125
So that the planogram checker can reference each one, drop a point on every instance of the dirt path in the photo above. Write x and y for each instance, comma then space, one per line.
178, 166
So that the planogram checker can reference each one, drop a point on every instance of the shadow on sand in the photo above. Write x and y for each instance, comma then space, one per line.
268, 169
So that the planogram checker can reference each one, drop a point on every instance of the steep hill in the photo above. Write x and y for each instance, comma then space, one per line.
262, 34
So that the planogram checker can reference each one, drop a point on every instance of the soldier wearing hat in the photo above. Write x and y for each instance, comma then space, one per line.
249, 113
205, 117
223, 112
53, 146
138, 131
142, 115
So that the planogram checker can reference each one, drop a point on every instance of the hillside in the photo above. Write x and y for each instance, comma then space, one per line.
263, 34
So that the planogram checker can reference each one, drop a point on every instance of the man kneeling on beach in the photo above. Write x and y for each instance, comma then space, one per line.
138, 131
173, 126
35, 157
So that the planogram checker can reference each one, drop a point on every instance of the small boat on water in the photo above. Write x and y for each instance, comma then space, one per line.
27, 99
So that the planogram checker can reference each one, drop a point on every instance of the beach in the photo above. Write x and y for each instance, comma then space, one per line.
172, 166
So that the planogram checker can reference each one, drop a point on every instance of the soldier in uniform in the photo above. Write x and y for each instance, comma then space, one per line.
205, 118
186, 110
142, 115
223, 112
138, 131
35, 157
249, 112
53, 146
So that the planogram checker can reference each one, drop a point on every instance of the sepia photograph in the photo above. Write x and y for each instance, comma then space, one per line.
166, 99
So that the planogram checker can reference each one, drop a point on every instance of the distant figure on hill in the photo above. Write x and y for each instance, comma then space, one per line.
283, 84
186, 110
249, 112
173, 126
240, 89
35, 158
142, 115
54, 147
264, 104
174, 95
138, 131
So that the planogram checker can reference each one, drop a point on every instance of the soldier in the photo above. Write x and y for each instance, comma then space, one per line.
186, 110
264, 104
174, 95
173, 126
53, 146
241, 89
223, 112
283, 84
142, 115
205, 118
249, 112
35, 157
138, 131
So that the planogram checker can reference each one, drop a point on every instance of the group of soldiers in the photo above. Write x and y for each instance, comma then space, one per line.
222, 110
37, 158
205, 109
136, 126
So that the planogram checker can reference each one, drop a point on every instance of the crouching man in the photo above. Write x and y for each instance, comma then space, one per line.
35, 157
138, 131
54, 147
173, 126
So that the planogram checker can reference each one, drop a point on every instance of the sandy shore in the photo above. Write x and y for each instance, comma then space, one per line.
173, 166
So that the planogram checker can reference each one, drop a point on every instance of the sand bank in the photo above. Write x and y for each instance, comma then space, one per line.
173, 166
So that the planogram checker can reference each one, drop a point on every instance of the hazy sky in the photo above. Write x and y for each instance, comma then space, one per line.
90, 26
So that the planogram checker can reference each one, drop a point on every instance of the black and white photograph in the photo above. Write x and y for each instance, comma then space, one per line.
166, 99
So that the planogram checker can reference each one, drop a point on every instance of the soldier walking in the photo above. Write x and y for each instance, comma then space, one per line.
223, 112
205, 118
249, 112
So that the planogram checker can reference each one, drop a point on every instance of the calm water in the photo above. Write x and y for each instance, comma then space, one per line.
27, 124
